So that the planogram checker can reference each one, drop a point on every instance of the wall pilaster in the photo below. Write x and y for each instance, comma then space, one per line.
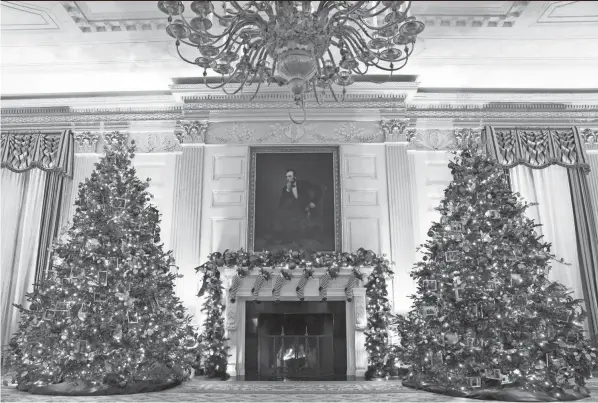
187, 211
400, 212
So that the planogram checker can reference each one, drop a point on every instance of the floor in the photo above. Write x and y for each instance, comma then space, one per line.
199, 390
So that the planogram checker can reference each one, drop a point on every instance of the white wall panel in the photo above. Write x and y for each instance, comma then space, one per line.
364, 198
224, 214
430, 175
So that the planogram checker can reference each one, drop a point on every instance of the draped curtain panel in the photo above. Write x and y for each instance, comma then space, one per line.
30, 206
531, 154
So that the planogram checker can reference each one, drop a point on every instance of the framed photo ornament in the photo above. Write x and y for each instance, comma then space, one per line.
474, 381
452, 256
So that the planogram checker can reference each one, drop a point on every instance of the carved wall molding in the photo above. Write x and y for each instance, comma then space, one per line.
483, 114
360, 313
93, 142
492, 99
320, 132
440, 139
67, 119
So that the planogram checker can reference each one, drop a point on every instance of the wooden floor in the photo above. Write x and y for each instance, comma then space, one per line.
199, 390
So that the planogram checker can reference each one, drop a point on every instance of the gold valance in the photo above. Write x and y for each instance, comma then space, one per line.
48, 151
536, 147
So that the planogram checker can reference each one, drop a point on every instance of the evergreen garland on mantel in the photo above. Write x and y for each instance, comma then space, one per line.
265, 262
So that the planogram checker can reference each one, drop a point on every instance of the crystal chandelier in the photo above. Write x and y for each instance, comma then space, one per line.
305, 45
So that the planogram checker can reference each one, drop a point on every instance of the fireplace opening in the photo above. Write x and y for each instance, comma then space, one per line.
296, 341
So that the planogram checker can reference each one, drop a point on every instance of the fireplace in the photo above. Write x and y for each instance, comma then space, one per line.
335, 329
295, 341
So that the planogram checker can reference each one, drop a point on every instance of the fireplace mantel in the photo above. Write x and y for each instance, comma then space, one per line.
356, 318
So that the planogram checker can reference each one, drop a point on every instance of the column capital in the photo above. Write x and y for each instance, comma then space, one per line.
86, 142
590, 137
394, 130
191, 131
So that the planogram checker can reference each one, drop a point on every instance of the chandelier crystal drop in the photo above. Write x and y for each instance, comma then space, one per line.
305, 45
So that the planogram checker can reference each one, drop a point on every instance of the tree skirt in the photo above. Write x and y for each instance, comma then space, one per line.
511, 394
85, 389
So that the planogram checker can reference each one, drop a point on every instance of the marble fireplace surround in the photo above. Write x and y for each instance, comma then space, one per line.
356, 318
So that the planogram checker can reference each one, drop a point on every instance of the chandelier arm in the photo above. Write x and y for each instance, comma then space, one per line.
389, 24
339, 13
217, 86
358, 23
259, 84
364, 12
404, 60
209, 35
304, 114
237, 6
183, 57
354, 44
257, 55
332, 60
235, 92
373, 15
316, 93
357, 37
334, 93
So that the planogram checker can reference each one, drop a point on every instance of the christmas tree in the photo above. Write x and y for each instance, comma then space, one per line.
378, 311
486, 318
213, 341
106, 314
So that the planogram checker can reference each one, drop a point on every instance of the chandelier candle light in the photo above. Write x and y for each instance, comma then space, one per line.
306, 45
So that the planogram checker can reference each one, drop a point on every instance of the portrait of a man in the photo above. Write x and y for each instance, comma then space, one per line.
294, 201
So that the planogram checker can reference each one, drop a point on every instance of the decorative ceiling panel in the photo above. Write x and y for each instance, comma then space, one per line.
115, 16
559, 12
469, 13
22, 16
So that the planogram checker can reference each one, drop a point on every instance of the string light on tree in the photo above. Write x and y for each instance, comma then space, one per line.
105, 315
514, 335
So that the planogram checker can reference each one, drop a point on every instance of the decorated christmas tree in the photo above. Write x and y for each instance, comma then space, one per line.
378, 312
213, 341
487, 322
105, 318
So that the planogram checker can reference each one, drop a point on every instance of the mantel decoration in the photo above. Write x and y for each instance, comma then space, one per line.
306, 45
378, 308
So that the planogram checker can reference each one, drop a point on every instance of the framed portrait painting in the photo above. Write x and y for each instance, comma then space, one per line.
294, 199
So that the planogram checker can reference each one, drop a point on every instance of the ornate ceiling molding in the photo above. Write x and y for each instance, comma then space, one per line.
429, 98
87, 25
364, 103
505, 19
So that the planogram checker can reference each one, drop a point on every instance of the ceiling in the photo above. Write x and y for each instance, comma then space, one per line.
53, 47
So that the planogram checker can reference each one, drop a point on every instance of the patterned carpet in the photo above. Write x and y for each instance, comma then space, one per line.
199, 390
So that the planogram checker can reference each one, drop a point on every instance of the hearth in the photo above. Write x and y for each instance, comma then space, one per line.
245, 321
296, 341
